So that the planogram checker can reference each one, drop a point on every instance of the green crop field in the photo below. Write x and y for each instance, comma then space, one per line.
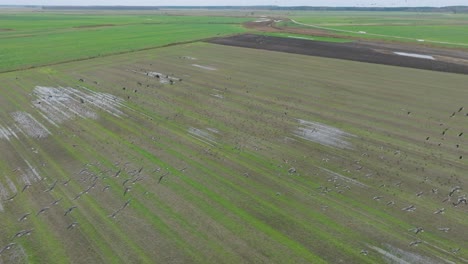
29, 40
434, 28
203, 153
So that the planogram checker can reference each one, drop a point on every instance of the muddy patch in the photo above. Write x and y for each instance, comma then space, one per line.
208, 68
354, 51
204, 135
29, 126
323, 134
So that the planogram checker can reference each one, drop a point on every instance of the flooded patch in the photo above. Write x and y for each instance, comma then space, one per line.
204, 67
397, 255
217, 96
415, 55
30, 174
29, 125
213, 130
296, 37
58, 105
7, 133
323, 134
260, 20
204, 135
103, 101
11, 185
3, 195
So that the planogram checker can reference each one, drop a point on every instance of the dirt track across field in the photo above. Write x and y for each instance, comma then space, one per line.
356, 51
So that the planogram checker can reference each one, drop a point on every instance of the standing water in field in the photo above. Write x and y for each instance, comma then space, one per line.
61, 104
323, 134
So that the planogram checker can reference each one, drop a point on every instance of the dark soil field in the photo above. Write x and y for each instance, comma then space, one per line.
355, 51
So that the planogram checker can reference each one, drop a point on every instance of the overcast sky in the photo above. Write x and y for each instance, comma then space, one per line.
242, 2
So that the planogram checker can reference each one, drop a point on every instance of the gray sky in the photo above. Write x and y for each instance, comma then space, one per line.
379, 3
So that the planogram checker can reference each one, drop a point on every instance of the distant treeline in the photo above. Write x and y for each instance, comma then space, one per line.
451, 9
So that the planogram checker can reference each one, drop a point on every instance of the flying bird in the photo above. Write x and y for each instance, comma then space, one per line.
7, 247
410, 208
23, 233
69, 210
415, 243
24, 217
454, 189
51, 186
66, 182
417, 230
43, 210
11, 197
26, 187
162, 176
127, 189
72, 225
56, 201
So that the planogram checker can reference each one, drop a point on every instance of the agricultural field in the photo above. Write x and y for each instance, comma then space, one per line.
203, 153
33, 39
440, 29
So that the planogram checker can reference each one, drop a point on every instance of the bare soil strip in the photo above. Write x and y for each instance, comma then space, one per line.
346, 51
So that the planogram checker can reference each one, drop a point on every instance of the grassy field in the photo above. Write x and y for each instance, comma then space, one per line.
444, 28
202, 153
31, 39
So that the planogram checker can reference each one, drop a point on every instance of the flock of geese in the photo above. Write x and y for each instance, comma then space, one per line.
86, 175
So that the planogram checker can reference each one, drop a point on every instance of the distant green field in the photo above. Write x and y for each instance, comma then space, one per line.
431, 27
37, 39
